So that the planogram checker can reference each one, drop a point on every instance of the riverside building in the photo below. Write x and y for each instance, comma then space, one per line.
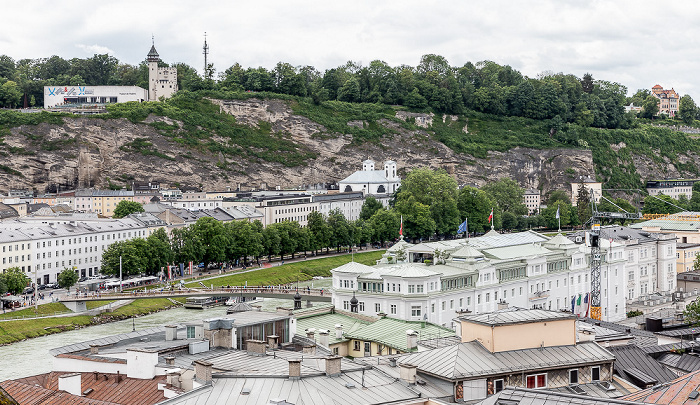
434, 281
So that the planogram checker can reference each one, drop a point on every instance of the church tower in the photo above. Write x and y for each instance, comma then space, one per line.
153, 60
162, 81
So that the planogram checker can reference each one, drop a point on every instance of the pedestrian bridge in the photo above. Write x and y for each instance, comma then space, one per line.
76, 303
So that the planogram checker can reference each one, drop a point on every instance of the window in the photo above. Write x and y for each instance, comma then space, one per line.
595, 373
356, 345
377, 308
393, 309
497, 386
361, 306
190, 332
346, 305
573, 377
536, 381
415, 310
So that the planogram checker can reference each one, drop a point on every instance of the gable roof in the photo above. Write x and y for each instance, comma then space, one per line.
515, 315
524, 396
366, 176
471, 360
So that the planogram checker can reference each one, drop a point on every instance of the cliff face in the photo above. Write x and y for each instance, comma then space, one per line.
93, 152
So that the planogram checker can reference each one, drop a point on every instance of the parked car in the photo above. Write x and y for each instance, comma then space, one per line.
42, 286
29, 290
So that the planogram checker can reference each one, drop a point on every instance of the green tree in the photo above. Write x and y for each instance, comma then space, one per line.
187, 245
350, 91
15, 280
558, 195
583, 204
3, 285
213, 237
549, 214
650, 107
587, 83
696, 263
340, 229
475, 205
508, 195
385, 225
125, 208
417, 219
160, 253
370, 206
435, 189
10, 94
132, 256
320, 233
687, 109
692, 313
67, 278
660, 204
272, 241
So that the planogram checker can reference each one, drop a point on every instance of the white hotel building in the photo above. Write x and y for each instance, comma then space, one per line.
480, 275
42, 251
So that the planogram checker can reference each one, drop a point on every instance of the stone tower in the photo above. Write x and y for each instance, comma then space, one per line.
162, 81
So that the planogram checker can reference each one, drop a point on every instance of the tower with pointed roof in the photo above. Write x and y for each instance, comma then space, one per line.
162, 81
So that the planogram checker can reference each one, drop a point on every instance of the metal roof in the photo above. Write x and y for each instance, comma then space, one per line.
676, 391
366, 177
471, 360
392, 332
516, 315
493, 240
350, 388
524, 396
632, 363
684, 362
328, 322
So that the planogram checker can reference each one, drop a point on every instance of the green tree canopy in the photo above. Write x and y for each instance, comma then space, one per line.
660, 204
132, 255
125, 208
67, 278
370, 206
508, 195
687, 109
475, 205
15, 280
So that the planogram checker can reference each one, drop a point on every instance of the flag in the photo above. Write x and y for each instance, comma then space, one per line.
491, 217
585, 301
557, 216
462, 227
578, 305
573, 303
401, 229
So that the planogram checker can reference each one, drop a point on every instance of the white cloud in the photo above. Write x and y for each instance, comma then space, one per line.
95, 49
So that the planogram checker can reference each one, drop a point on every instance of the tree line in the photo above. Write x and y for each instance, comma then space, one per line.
433, 84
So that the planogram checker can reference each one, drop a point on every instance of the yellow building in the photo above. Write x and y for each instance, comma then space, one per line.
685, 255
105, 201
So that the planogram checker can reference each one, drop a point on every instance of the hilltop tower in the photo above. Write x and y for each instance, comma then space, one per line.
162, 81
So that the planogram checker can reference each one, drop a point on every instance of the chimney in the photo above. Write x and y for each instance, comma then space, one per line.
411, 340
294, 369
118, 377
202, 371
173, 378
502, 305
333, 366
71, 383
408, 373
323, 337
170, 360
310, 333
255, 347
338, 331
272, 341
170, 332
309, 349
94, 349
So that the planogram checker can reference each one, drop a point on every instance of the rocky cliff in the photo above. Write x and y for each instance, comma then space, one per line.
94, 152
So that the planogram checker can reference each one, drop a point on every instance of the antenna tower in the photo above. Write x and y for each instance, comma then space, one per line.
205, 51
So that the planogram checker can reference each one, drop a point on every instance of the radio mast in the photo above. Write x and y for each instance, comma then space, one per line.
205, 51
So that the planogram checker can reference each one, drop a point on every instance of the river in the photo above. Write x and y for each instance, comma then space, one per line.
31, 357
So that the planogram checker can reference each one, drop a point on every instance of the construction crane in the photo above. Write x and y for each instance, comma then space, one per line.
594, 240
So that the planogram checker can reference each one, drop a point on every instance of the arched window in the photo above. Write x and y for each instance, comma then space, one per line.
348, 189
381, 189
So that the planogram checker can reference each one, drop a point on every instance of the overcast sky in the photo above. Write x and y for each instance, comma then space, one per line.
636, 43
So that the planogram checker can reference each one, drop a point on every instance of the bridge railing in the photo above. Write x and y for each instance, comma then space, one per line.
156, 293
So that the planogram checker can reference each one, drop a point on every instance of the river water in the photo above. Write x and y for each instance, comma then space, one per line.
31, 357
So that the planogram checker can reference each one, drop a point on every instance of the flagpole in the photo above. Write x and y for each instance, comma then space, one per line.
466, 221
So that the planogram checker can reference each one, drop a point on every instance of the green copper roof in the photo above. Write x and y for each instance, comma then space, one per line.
328, 321
392, 332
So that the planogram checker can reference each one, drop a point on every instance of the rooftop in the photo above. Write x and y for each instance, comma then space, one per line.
392, 332
514, 315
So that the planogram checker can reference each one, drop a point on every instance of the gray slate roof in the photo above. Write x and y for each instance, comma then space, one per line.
684, 362
366, 176
471, 360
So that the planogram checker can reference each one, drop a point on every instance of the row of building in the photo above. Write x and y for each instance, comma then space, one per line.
511, 356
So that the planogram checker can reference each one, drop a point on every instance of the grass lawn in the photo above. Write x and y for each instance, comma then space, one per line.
288, 273
14, 331
43, 310
96, 304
